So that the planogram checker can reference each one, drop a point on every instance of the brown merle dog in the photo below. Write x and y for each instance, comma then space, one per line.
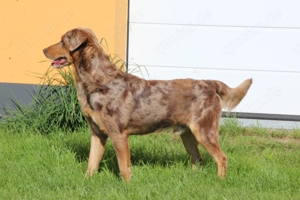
117, 104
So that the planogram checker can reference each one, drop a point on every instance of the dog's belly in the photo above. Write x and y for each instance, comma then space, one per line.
157, 127
145, 128
153, 123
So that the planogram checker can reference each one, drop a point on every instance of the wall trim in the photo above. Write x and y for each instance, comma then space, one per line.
261, 116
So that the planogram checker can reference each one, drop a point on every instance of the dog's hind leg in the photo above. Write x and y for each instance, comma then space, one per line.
191, 145
208, 139
206, 132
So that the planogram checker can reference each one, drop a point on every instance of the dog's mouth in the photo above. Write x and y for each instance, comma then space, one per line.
60, 62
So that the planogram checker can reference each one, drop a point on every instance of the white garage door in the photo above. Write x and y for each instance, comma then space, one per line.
225, 40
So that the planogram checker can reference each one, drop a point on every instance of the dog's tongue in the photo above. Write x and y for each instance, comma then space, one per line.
59, 61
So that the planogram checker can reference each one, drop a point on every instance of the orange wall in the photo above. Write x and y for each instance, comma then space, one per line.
26, 27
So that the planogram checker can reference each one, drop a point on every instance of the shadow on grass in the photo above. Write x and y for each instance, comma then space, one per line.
140, 156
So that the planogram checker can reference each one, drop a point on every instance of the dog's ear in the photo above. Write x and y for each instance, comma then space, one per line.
76, 38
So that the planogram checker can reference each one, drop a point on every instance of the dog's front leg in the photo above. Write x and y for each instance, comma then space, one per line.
121, 146
98, 143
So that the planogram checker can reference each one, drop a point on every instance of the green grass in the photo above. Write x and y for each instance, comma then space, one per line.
44, 150
52, 166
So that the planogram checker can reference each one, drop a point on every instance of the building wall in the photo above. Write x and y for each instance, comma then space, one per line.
223, 40
29, 26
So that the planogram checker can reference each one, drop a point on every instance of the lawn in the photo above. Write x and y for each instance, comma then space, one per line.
263, 164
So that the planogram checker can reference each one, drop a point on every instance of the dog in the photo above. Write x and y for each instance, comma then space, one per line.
117, 104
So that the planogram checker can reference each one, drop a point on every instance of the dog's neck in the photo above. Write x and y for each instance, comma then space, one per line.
93, 68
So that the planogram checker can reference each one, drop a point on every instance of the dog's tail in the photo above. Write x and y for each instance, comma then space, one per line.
231, 97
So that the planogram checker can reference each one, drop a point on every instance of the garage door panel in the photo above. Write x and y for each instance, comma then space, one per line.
267, 49
265, 94
224, 40
216, 13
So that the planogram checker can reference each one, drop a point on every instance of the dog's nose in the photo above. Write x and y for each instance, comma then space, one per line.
45, 51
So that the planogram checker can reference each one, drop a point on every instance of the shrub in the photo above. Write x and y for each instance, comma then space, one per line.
54, 107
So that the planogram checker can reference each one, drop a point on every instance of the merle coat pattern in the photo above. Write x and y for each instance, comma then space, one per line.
117, 104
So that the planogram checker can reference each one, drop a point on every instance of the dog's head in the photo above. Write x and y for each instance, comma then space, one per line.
62, 52
81, 47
